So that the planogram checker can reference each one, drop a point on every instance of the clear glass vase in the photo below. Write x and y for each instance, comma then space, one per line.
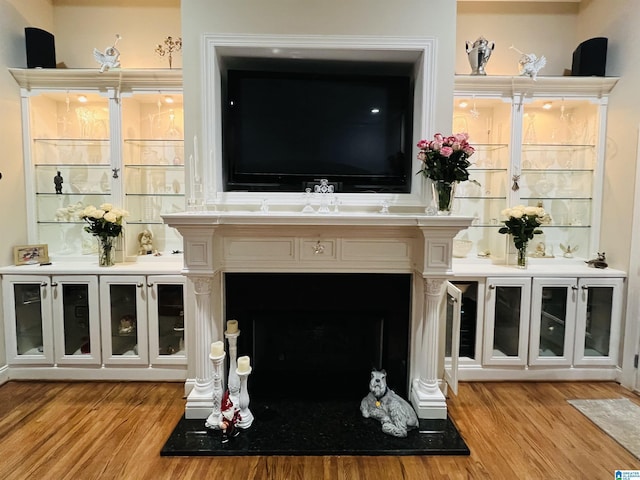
443, 194
521, 257
106, 251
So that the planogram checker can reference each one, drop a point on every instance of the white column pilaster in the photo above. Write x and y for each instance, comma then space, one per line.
200, 400
426, 397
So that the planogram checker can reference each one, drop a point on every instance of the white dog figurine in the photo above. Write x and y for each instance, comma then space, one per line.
394, 413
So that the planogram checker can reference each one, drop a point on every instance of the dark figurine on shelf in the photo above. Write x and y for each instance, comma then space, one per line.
600, 262
395, 414
230, 417
57, 181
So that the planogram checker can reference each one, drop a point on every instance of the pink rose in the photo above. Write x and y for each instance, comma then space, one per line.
438, 138
436, 146
423, 144
422, 156
446, 151
462, 137
469, 150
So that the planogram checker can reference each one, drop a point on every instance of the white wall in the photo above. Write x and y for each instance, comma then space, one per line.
542, 28
82, 25
15, 15
617, 20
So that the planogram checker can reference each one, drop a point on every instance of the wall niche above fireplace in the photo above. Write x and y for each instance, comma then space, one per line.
319, 335
320, 55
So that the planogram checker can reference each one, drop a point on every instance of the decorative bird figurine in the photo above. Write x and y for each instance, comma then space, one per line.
529, 63
568, 251
110, 58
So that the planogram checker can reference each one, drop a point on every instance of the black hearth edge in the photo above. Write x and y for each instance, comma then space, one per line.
313, 428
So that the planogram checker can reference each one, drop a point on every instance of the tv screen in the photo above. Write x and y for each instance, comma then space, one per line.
283, 131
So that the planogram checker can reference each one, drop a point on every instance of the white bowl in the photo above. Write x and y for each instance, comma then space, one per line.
461, 248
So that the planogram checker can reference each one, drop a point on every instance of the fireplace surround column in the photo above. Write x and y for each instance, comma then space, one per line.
426, 396
200, 400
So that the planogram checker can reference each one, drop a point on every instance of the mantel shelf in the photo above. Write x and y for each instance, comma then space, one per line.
297, 219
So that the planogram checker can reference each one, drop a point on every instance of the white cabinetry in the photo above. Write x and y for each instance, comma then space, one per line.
91, 138
538, 143
537, 324
80, 324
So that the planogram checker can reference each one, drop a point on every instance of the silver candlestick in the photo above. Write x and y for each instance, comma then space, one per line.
233, 382
246, 417
214, 419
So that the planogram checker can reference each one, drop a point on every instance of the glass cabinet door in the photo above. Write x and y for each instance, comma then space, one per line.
76, 320
507, 321
27, 307
487, 121
553, 310
166, 319
153, 157
123, 319
558, 167
598, 321
452, 310
70, 154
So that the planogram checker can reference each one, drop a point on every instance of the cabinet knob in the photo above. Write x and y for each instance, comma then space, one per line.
492, 287
54, 284
150, 284
585, 287
574, 287
43, 284
140, 285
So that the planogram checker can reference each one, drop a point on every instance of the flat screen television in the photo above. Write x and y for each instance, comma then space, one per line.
283, 131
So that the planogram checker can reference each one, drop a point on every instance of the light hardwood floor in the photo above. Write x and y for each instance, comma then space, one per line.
60, 430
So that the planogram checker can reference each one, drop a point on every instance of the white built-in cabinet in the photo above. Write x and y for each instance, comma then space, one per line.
537, 142
540, 327
95, 326
114, 137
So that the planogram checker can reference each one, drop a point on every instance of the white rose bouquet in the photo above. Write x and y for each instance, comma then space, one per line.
522, 223
104, 221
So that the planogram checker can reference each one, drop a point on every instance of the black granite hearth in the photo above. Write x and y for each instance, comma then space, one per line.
314, 428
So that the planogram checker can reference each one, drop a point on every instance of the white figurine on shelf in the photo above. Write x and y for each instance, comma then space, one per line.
529, 63
145, 242
568, 250
110, 58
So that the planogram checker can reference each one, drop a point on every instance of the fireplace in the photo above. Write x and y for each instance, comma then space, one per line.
340, 249
320, 334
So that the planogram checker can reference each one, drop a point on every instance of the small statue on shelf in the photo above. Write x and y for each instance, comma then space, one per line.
110, 58
599, 262
127, 325
57, 181
230, 418
145, 242
568, 250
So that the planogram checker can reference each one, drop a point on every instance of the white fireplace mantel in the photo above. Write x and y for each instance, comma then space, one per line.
281, 242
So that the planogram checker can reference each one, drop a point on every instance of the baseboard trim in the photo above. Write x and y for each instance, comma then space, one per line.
4, 374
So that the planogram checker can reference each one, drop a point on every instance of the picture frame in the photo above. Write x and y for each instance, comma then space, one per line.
30, 254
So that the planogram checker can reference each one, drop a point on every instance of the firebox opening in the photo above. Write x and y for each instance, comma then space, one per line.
314, 336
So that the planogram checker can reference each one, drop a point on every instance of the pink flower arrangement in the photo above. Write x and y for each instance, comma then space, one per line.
446, 159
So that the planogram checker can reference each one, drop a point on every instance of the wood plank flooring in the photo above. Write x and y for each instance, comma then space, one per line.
81, 431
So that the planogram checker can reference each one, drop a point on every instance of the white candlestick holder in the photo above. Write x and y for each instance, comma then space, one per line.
246, 417
233, 382
214, 419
